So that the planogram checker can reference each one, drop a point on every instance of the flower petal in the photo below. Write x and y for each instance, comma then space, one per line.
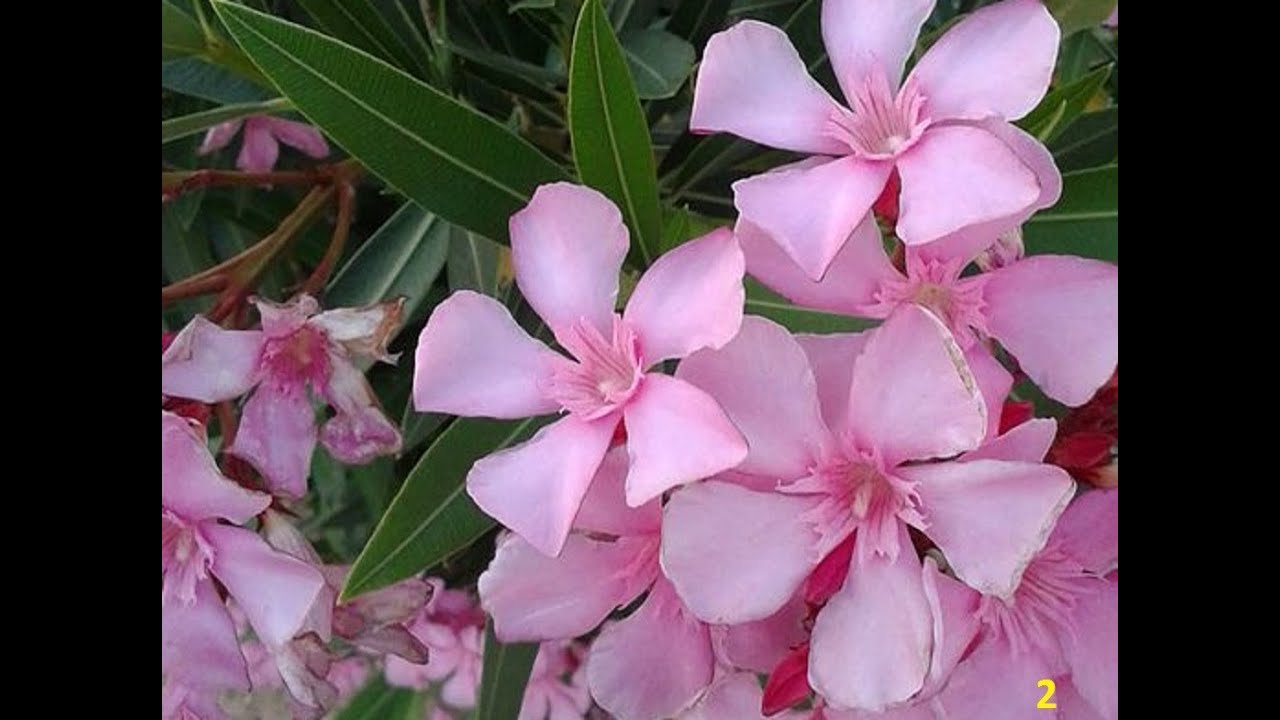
990, 517
794, 206
535, 597
1093, 649
871, 643
536, 487
954, 607
863, 36
996, 62
277, 436
219, 136
994, 382
259, 149
832, 359
959, 176
567, 246
763, 382
300, 136
605, 509
275, 591
474, 360
1027, 442
913, 396
1089, 530
1059, 316
993, 683
761, 644
209, 364
689, 299
676, 433
191, 484
363, 330
653, 664
360, 431
735, 555
752, 83
198, 645
735, 696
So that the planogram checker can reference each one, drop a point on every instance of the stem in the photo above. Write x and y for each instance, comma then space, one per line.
173, 184
341, 229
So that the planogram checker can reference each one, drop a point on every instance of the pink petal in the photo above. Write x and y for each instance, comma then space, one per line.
794, 206
676, 433
954, 607
275, 591
653, 664
996, 62
1089, 530
474, 360
752, 83
300, 136
995, 684
863, 36
535, 597
567, 246
852, 280
763, 382
913, 396
994, 382
1092, 650
736, 555
209, 364
689, 299
871, 644
362, 330
277, 436
1071, 706
1059, 317
761, 644
283, 319
191, 485
736, 696
832, 359
958, 176
259, 149
1027, 442
990, 517
605, 509
360, 431
219, 136
536, 487
911, 711
198, 645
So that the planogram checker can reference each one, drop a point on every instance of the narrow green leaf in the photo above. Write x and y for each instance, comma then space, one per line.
506, 672
180, 34
199, 78
1073, 15
1085, 221
696, 20
610, 135
531, 5
432, 516
659, 62
181, 127
449, 159
477, 263
402, 258
378, 701
1091, 141
1063, 105
766, 303
360, 24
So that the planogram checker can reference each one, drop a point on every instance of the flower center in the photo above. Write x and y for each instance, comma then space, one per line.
862, 495
300, 356
937, 285
185, 557
1040, 610
605, 375
882, 124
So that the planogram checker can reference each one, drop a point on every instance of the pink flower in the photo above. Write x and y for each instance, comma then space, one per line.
262, 137
295, 348
945, 130
652, 664
557, 687
567, 246
452, 628
842, 442
1061, 623
1058, 315
199, 652
733, 696
1113, 20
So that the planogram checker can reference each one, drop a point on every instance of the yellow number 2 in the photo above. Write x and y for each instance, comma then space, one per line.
1044, 703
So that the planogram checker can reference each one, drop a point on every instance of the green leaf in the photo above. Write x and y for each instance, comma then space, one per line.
506, 672
432, 516
1091, 141
198, 78
477, 263
766, 303
378, 701
1073, 15
531, 5
1061, 107
180, 34
696, 20
402, 258
610, 135
659, 61
1085, 221
181, 127
360, 24
449, 159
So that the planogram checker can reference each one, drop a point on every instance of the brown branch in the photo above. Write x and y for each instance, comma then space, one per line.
174, 184
341, 229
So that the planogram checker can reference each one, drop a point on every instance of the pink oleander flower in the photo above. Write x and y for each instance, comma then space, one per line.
733, 696
557, 687
567, 246
295, 348
1057, 314
1061, 623
200, 656
837, 450
262, 137
945, 130
451, 626
1113, 20
651, 665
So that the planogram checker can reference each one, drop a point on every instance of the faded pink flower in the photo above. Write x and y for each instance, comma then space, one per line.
945, 130
557, 687
199, 652
262, 137
295, 348
451, 626
836, 450
609, 561
567, 246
